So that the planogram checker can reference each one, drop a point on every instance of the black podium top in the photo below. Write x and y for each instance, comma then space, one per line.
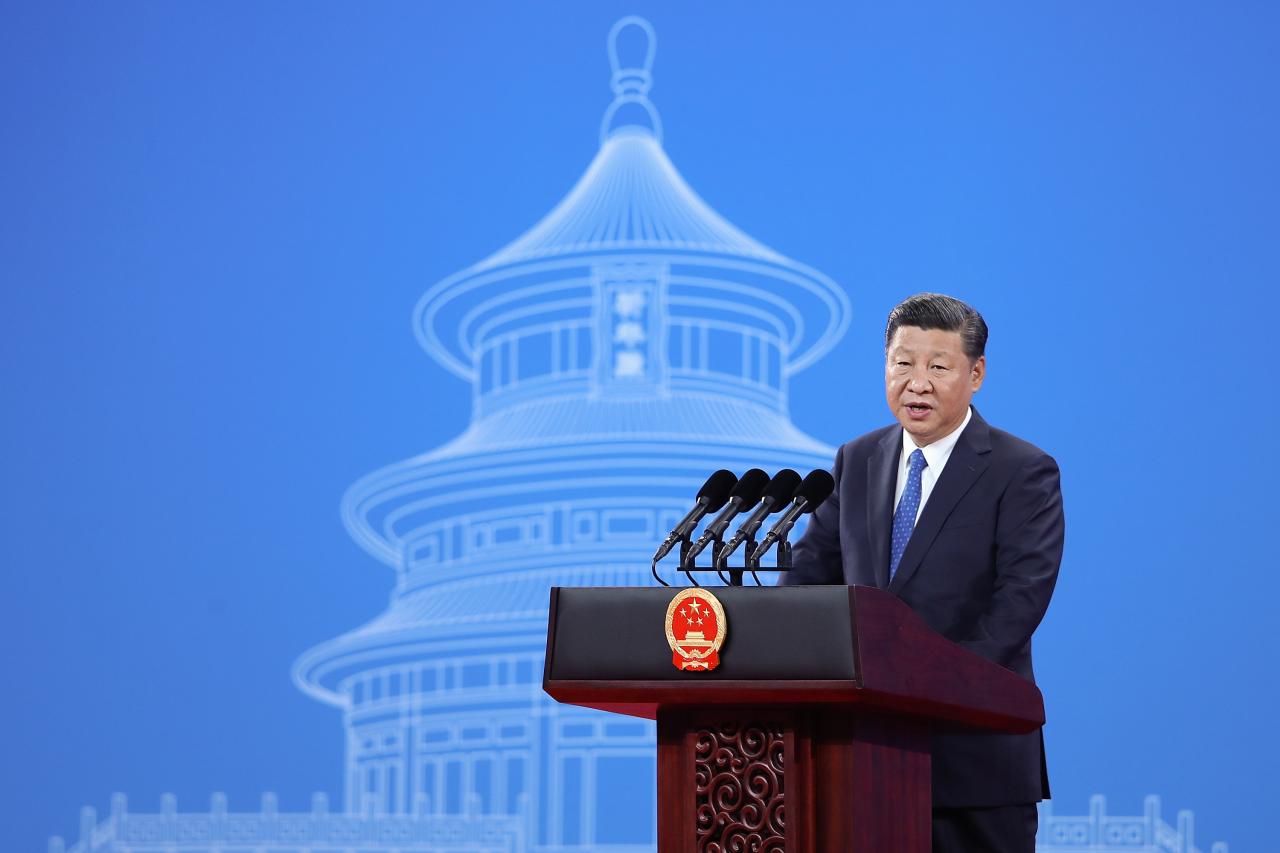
774, 633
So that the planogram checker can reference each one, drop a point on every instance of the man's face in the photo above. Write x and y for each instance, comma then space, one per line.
929, 381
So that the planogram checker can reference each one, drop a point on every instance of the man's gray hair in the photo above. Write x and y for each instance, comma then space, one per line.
938, 311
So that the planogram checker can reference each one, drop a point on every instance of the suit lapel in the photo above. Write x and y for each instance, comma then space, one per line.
882, 476
968, 460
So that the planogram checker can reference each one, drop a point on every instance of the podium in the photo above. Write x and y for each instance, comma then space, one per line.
812, 733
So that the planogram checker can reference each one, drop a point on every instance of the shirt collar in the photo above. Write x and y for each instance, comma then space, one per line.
937, 452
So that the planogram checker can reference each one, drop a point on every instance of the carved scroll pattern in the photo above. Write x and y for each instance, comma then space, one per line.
738, 783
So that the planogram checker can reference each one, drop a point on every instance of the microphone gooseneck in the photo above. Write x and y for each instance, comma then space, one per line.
711, 497
745, 494
815, 489
776, 495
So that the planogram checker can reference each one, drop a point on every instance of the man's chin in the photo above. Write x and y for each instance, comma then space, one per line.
921, 431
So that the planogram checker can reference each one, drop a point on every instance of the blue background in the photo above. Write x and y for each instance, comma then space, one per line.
215, 220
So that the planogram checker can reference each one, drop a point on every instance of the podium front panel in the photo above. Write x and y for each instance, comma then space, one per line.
778, 633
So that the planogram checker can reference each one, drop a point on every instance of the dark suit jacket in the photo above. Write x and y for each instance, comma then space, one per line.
979, 568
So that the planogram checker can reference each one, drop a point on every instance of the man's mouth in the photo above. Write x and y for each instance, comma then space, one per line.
919, 410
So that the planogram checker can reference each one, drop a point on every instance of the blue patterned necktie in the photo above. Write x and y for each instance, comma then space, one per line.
904, 518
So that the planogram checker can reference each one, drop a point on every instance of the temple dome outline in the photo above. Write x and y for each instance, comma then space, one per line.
630, 199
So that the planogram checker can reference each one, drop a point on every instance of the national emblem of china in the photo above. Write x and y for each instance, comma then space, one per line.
695, 630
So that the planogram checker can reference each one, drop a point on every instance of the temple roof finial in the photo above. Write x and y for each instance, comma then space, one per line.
632, 76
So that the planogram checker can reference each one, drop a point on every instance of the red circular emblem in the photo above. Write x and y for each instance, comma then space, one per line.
695, 629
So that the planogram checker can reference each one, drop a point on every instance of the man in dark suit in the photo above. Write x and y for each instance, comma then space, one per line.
964, 523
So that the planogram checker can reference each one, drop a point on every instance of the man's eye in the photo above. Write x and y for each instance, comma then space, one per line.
904, 364
940, 367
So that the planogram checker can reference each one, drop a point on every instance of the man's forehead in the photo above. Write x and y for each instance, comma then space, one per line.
910, 339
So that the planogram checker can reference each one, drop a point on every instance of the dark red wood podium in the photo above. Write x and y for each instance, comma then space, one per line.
812, 734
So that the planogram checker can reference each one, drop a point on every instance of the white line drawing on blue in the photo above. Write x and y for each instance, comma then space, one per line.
319, 830
628, 338
1103, 832
628, 343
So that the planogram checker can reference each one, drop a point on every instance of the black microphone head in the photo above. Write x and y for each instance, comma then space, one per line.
781, 489
816, 488
750, 487
716, 489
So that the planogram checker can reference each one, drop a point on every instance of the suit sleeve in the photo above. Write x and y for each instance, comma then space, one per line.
815, 559
1029, 535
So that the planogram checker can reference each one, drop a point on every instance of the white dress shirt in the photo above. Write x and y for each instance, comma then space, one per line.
935, 457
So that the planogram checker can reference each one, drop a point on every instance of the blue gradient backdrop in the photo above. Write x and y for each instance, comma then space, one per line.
215, 220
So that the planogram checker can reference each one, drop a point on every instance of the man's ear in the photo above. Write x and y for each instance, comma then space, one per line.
978, 372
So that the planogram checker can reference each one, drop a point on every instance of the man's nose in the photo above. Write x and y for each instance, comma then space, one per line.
918, 383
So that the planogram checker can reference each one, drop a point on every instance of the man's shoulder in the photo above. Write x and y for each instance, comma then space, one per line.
1011, 446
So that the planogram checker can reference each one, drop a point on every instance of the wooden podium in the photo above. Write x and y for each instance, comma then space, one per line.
812, 734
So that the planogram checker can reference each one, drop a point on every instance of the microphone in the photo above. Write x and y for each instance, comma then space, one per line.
780, 490
745, 494
815, 489
712, 495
